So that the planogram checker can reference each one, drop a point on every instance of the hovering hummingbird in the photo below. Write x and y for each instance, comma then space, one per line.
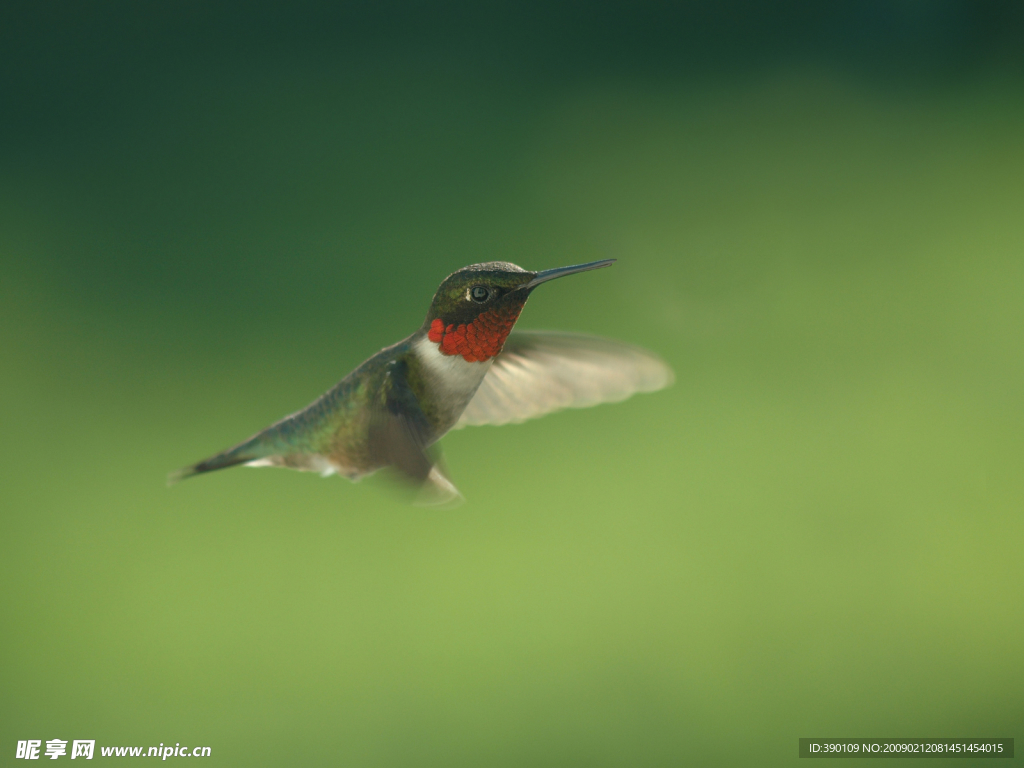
463, 366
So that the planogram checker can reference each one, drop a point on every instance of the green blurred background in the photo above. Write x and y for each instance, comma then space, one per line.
211, 213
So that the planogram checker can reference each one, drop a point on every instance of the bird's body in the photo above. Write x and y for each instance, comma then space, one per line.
464, 366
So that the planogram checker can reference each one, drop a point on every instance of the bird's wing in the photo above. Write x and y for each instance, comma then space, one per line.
400, 436
538, 372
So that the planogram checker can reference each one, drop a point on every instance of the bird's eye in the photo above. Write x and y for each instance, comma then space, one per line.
479, 294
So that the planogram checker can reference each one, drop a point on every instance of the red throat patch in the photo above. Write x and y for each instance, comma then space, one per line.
479, 340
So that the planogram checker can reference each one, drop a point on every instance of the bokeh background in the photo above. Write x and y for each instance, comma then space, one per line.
209, 213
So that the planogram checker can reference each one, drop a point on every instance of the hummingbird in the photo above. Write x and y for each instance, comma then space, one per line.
464, 366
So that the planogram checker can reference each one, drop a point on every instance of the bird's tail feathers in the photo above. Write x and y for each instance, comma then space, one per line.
220, 461
254, 449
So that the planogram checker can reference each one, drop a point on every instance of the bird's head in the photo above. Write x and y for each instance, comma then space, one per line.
476, 307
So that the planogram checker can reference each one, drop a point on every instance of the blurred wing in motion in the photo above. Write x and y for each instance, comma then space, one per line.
400, 438
538, 372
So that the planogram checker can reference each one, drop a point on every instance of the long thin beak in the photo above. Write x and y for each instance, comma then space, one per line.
551, 274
